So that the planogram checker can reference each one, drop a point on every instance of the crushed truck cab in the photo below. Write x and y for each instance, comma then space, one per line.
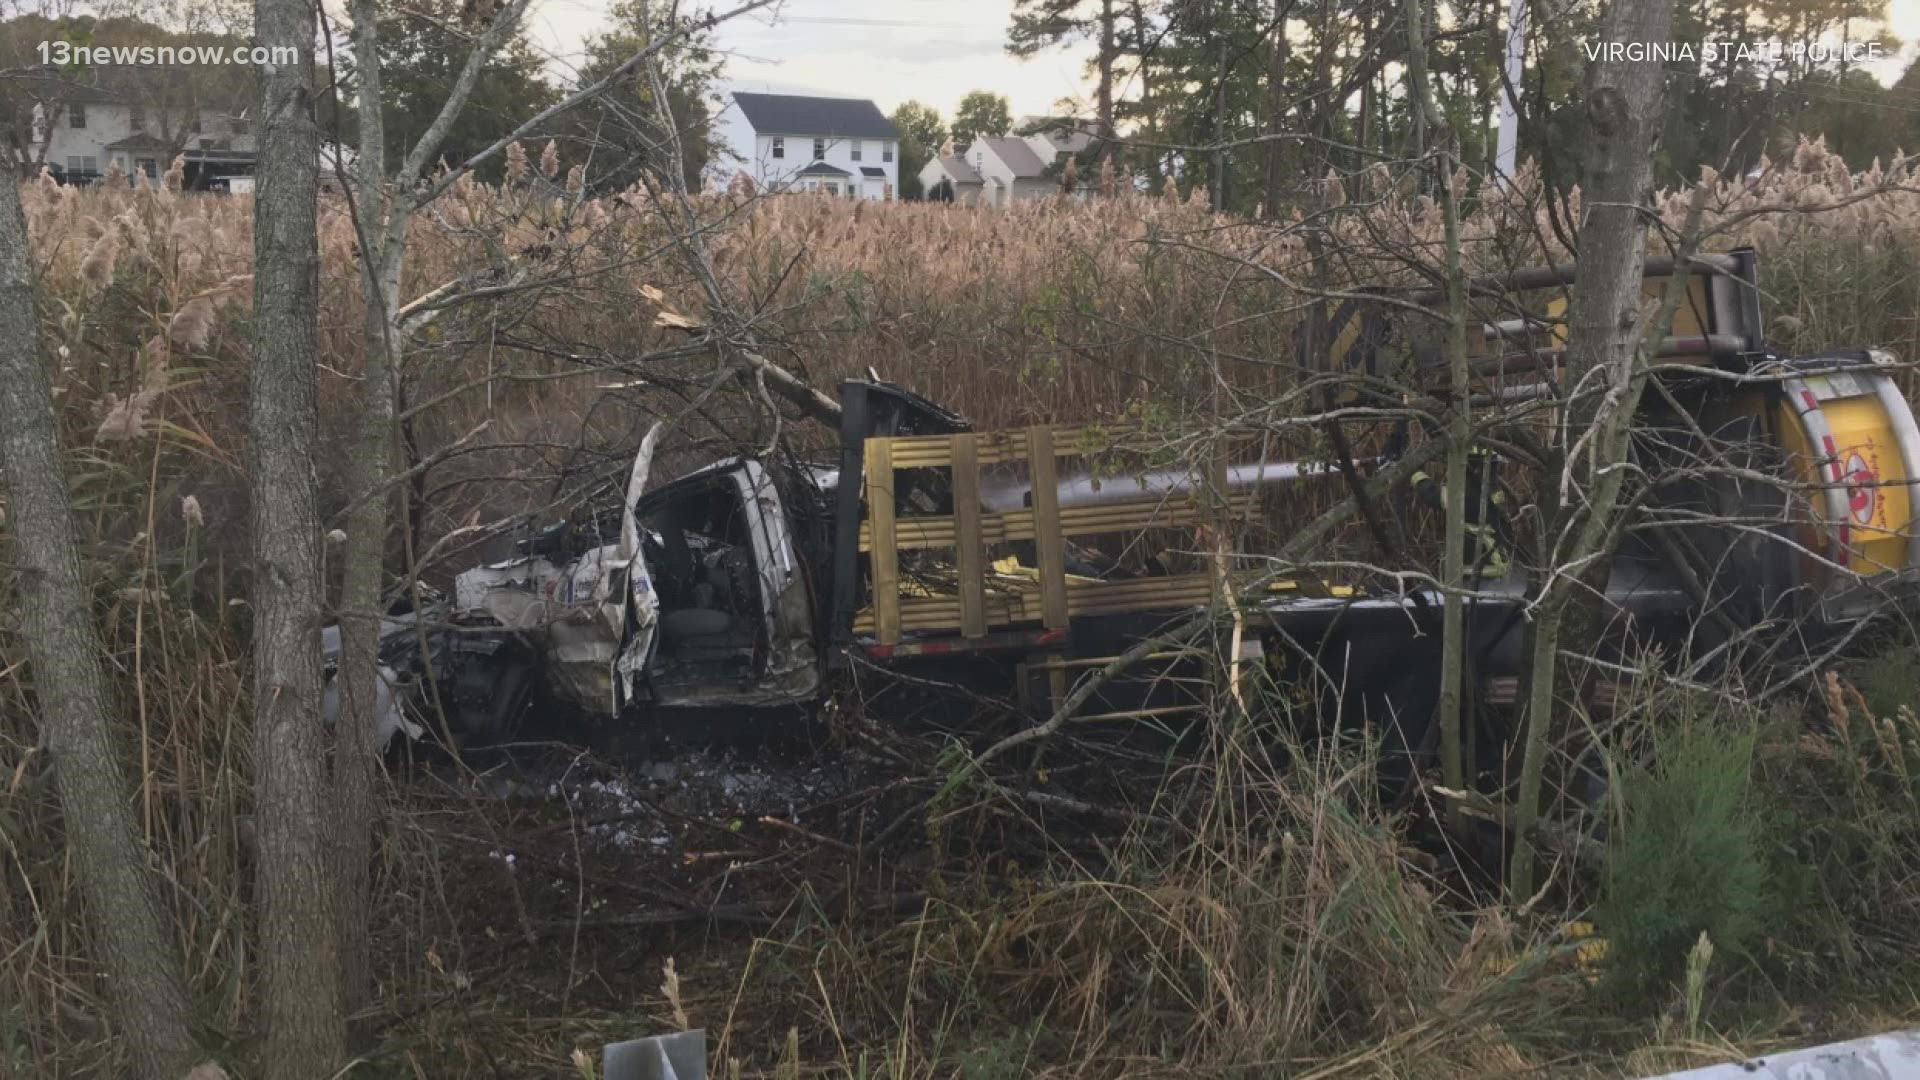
701, 602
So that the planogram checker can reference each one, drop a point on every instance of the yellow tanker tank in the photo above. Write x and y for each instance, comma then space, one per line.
1854, 454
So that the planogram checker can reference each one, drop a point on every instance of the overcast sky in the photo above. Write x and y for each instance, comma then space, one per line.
930, 50
888, 50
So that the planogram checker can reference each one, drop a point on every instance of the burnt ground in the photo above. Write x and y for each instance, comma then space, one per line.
566, 878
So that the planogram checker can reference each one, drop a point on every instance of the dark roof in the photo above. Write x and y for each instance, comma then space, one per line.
821, 168
874, 171
960, 169
1066, 133
1018, 156
139, 141
792, 114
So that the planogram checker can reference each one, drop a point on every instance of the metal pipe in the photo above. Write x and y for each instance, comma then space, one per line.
1541, 277
1714, 346
1087, 490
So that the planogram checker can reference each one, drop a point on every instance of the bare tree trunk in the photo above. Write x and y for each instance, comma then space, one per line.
1365, 139
298, 941
136, 947
383, 212
1143, 74
1322, 95
1109, 55
369, 473
1459, 421
1624, 111
1277, 155
364, 553
1218, 179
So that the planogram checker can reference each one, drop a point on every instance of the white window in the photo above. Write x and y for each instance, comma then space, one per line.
77, 116
137, 116
84, 166
150, 166
779, 147
856, 149
819, 149
831, 187
886, 151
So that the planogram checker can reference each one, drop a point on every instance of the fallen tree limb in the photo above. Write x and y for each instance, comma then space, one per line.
748, 914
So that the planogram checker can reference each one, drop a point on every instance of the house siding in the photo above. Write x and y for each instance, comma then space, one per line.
110, 122
751, 152
1001, 185
781, 173
931, 174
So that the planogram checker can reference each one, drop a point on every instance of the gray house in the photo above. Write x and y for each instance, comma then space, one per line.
995, 171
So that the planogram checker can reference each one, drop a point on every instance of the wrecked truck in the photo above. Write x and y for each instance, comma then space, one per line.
749, 588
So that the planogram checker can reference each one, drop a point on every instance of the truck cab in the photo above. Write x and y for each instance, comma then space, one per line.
712, 591
698, 601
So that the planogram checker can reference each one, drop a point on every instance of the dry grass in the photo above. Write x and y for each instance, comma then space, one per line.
1077, 307
1286, 932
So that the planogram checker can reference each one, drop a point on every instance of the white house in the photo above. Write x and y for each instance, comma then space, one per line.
947, 177
1007, 170
995, 171
844, 147
92, 130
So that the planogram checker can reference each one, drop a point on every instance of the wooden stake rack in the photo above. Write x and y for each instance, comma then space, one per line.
980, 602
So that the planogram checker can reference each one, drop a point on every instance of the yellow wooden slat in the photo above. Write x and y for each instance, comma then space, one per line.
934, 451
969, 550
886, 556
1148, 588
1134, 514
998, 447
1049, 544
921, 613
937, 613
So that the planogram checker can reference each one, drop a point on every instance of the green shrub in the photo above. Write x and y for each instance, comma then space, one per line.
1690, 855
1889, 680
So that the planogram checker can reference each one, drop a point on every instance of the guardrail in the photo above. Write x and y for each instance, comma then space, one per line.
1894, 1056
679, 1056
